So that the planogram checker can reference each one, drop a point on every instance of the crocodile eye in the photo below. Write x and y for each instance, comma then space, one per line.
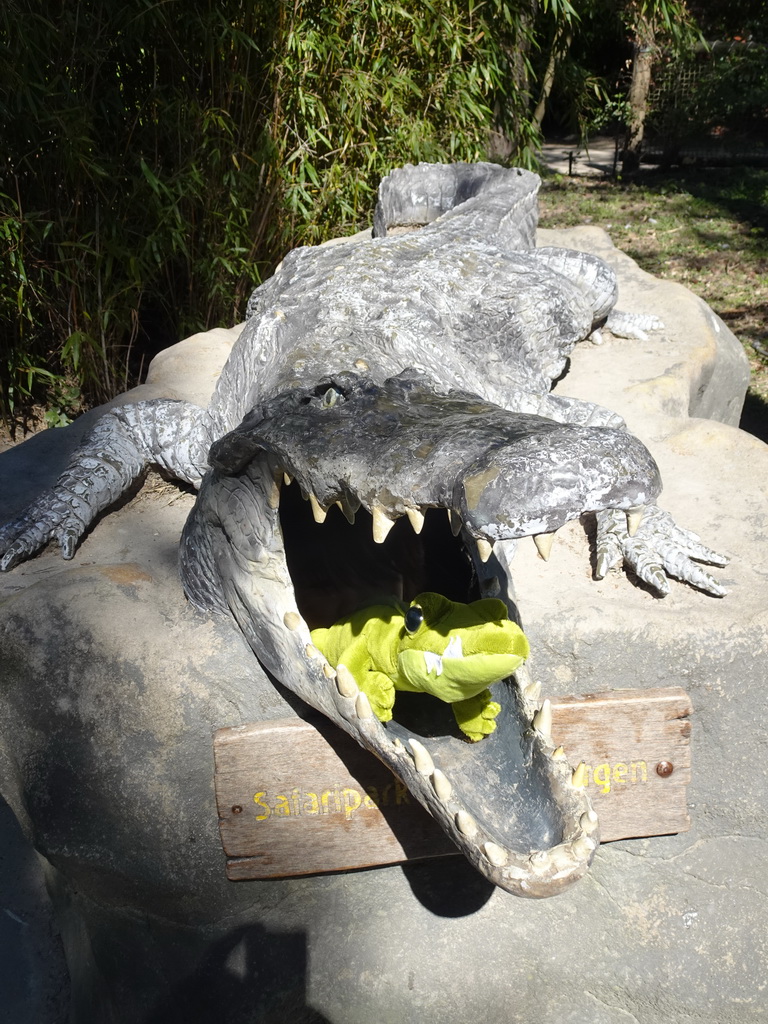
330, 398
413, 618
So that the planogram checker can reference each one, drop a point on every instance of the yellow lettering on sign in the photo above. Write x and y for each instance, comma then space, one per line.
326, 797
640, 766
606, 776
295, 801
402, 796
265, 807
298, 802
282, 807
311, 805
352, 801
602, 776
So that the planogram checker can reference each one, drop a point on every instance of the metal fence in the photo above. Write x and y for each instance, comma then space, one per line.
711, 107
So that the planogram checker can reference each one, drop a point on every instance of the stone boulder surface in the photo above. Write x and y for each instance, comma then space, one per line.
111, 687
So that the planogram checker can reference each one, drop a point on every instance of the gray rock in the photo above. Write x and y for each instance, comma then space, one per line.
112, 687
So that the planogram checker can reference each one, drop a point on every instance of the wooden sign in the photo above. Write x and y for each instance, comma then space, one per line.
296, 798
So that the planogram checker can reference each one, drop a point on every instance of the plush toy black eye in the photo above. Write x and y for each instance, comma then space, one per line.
413, 618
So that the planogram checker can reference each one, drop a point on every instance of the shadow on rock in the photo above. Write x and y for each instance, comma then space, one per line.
450, 888
251, 975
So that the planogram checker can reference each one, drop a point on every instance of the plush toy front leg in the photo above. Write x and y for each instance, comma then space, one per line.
476, 715
380, 691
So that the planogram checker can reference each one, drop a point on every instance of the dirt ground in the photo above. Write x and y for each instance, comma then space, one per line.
706, 229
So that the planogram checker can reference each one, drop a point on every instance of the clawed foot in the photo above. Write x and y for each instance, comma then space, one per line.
632, 325
42, 522
660, 548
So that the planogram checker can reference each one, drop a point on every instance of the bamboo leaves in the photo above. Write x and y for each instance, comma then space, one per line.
156, 166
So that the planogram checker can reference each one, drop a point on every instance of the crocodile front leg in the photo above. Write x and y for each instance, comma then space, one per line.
173, 435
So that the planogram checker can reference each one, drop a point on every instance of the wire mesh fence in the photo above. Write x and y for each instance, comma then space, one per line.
710, 107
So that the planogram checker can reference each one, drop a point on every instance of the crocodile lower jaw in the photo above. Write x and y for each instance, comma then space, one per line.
511, 802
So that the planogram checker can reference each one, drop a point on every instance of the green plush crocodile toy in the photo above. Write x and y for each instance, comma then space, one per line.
450, 650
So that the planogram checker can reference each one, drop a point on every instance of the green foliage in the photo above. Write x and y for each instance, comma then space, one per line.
704, 228
590, 89
157, 162
671, 21
133, 186
363, 85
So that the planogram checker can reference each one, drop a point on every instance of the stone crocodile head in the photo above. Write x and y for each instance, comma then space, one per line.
328, 498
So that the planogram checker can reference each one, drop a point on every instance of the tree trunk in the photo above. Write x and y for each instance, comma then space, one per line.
560, 47
642, 64
511, 131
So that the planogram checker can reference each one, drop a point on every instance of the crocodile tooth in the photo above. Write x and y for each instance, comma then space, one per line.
484, 549
496, 854
542, 720
634, 518
540, 858
288, 479
311, 651
558, 754
455, 520
415, 518
421, 757
562, 856
442, 785
292, 620
532, 692
329, 671
544, 542
273, 498
582, 847
348, 511
346, 682
382, 524
363, 706
318, 512
579, 777
397, 743
466, 824
588, 820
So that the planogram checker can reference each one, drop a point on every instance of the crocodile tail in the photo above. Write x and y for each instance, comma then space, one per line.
488, 201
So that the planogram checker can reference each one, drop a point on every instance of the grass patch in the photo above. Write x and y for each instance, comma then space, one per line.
706, 229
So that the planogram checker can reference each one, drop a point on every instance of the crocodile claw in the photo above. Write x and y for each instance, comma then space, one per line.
659, 549
633, 326
33, 529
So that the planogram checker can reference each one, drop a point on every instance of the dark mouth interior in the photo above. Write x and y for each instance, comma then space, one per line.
337, 567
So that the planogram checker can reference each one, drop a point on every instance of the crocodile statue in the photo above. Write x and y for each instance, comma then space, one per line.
385, 426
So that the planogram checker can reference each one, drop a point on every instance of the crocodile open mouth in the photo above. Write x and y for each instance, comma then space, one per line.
328, 499
337, 568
